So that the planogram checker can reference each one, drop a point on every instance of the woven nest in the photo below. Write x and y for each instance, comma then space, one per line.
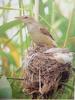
45, 69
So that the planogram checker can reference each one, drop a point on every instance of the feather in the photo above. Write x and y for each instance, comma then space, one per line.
45, 32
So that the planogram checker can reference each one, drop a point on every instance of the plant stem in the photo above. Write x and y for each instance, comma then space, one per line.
21, 37
37, 9
13, 78
69, 28
52, 16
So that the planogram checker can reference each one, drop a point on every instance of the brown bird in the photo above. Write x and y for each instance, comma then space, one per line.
38, 33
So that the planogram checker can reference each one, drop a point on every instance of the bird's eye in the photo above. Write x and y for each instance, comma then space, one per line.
25, 17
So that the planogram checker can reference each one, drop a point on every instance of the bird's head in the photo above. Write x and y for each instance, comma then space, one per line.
26, 19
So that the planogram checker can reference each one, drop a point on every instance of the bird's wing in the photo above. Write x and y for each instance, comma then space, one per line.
45, 32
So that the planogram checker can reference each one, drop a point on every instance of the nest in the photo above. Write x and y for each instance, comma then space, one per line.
45, 69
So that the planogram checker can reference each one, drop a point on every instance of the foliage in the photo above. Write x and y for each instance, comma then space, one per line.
11, 52
5, 89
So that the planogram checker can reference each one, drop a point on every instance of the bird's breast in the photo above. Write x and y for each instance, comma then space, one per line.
38, 37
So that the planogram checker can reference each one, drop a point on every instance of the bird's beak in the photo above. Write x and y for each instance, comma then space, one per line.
20, 18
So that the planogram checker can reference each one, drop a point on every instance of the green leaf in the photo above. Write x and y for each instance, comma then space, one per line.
57, 24
8, 25
9, 57
13, 50
5, 88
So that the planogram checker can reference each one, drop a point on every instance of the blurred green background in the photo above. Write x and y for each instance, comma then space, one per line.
57, 15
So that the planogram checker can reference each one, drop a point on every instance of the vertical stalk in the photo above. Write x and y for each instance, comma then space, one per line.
4, 59
50, 10
21, 37
31, 7
36, 13
52, 16
39, 80
69, 28
4, 12
25, 28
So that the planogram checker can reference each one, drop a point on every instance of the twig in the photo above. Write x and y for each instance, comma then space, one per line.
13, 78
39, 80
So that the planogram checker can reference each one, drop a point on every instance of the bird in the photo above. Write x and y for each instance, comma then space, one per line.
39, 34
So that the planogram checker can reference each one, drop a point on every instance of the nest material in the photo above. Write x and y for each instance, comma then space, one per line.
45, 69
